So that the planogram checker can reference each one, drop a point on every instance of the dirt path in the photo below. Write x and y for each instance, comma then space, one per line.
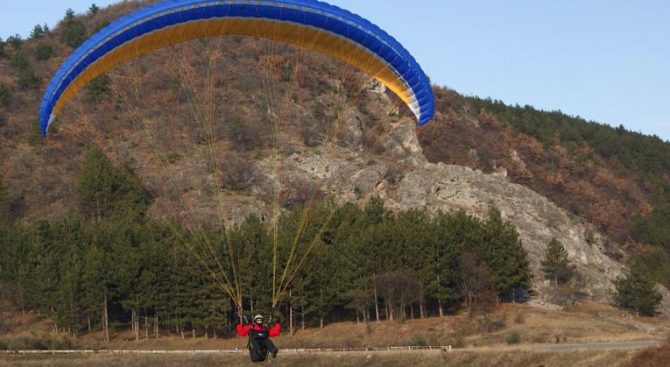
596, 346
395, 358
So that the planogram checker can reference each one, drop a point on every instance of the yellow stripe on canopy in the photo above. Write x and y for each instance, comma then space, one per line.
296, 34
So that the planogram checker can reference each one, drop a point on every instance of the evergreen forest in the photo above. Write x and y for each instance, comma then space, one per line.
109, 266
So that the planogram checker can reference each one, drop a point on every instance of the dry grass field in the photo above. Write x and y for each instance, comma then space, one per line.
475, 346
395, 359
585, 324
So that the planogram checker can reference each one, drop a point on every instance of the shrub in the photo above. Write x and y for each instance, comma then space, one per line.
44, 51
35, 137
61, 344
237, 173
242, 135
98, 87
20, 61
418, 341
16, 41
652, 357
4, 95
309, 133
74, 33
38, 342
172, 158
491, 324
657, 264
566, 295
513, 338
33, 343
27, 79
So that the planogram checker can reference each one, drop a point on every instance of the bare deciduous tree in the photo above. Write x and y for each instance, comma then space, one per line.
474, 281
237, 172
399, 289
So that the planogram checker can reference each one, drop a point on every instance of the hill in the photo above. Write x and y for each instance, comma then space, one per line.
290, 127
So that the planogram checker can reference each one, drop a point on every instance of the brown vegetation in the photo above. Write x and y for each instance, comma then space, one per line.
652, 357
395, 359
592, 188
586, 323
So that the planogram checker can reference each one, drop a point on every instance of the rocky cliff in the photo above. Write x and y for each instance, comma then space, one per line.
403, 177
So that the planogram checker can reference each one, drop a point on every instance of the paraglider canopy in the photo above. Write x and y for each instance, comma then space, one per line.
306, 23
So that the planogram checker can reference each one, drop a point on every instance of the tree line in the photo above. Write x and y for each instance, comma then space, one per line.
108, 266
647, 156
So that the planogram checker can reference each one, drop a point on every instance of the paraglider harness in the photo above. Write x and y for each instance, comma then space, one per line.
258, 343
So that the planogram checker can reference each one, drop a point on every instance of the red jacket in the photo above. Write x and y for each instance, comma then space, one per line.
244, 330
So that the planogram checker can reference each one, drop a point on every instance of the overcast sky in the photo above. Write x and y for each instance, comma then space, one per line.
604, 60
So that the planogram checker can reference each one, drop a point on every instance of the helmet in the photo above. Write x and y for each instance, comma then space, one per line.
258, 317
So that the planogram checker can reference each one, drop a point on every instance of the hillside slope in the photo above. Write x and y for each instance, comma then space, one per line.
340, 133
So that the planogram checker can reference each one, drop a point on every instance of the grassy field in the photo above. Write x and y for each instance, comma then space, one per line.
395, 359
479, 342
584, 324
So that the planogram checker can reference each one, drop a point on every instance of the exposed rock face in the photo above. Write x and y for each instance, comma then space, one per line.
406, 180
444, 187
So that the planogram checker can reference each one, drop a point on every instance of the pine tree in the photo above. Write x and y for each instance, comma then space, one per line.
96, 285
98, 87
124, 242
105, 189
635, 291
93, 10
497, 243
28, 79
375, 210
556, 264
74, 31
69, 291
16, 41
5, 202
20, 61
450, 231
42, 283
253, 251
16, 263
37, 32
68, 236
69, 14
44, 51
